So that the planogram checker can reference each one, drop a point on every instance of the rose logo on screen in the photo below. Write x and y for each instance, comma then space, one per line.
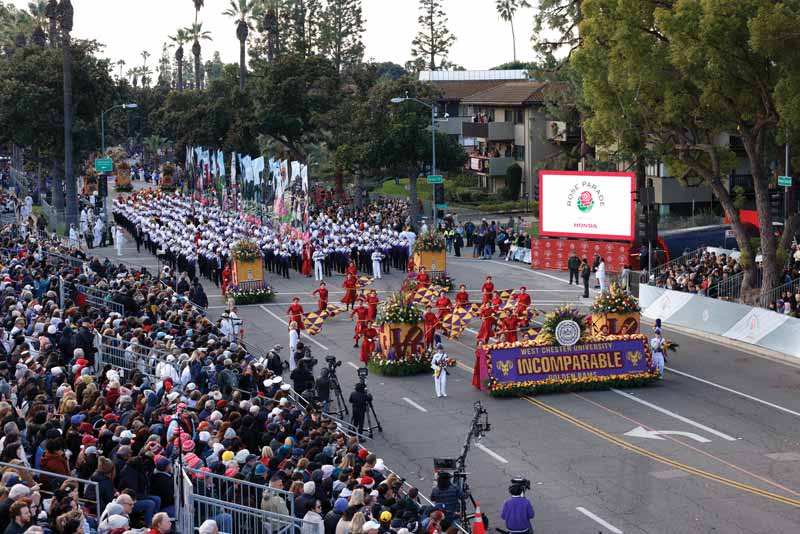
586, 202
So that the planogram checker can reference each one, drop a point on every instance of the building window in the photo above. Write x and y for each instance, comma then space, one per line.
519, 116
519, 152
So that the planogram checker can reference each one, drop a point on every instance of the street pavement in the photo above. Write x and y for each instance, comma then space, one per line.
731, 465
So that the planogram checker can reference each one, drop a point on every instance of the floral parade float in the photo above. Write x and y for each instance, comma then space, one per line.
248, 285
615, 312
429, 252
567, 355
167, 180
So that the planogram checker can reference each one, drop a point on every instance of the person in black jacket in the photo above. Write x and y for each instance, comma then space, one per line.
104, 476
573, 264
585, 273
163, 486
197, 294
134, 480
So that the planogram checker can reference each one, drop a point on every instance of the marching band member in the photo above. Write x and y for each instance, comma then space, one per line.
462, 297
295, 313
350, 285
487, 289
439, 365
430, 322
423, 278
361, 312
322, 301
368, 346
372, 305
444, 305
523, 303
489, 320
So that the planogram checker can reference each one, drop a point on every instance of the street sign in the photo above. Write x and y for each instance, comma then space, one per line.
441, 206
784, 181
435, 179
104, 165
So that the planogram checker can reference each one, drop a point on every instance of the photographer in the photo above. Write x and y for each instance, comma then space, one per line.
517, 510
324, 389
448, 495
274, 362
302, 377
360, 398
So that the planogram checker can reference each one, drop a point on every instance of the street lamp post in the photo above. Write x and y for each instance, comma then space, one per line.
131, 105
432, 107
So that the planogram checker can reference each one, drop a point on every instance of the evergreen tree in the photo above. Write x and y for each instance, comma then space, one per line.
341, 29
434, 38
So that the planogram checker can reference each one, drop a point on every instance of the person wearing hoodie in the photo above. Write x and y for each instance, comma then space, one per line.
332, 518
53, 461
312, 519
104, 476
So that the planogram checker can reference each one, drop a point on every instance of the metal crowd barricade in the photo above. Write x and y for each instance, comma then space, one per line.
100, 298
56, 258
127, 357
88, 490
234, 504
769, 297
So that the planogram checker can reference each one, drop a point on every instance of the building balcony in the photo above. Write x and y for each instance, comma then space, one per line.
451, 125
489, 166
491, 131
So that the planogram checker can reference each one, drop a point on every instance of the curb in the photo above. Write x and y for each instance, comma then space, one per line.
750, 349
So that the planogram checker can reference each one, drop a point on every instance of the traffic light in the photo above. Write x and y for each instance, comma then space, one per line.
776, 204
438, 194
647, 225
102, 186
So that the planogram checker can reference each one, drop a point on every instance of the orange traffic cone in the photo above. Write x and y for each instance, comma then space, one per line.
477, 525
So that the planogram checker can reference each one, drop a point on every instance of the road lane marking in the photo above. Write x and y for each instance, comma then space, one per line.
675, 416
729, 390
661, 459
641, 432
317, 343
351, 364
491, 453
415, 405
600, 521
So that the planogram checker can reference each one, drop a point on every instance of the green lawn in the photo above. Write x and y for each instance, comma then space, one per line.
390, 189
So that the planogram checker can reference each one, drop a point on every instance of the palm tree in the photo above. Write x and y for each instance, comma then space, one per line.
152, 146
133, 74
51, 11
197, 34
180, 38
120, 64
198, 71
267, 12
507, 9
240, 10
38, 12
66, 13
145, 54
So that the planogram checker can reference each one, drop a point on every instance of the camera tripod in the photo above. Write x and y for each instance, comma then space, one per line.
337, 406
370, 413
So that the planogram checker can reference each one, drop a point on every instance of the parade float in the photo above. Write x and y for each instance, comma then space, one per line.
247, 282
615, 312
565, 355
167, 180
429, 252
123, 182
401, 348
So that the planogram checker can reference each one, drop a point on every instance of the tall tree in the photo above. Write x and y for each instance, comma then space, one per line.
145, 71
434, 38
180, 38
240, 11
197, 34
165, 67
555, 26
268, 14
507, 9
341, 31
120, 63
301, 20
51, 11
66, 14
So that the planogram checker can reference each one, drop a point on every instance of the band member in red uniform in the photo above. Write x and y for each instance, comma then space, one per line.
410, 266
305, 269
295, 312
361, 312
444, 305
372, 305
462, 297
423, 278
497, 302
430, 325
489, 320
370, 337
349, 285
352, 269
487, 289
226, 278
510, 325
322, 300
523, 303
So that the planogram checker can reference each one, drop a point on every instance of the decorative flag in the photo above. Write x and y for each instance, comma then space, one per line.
233, 168
295, 171
284, 175
304, 177
364, 281
221, 163
258, 168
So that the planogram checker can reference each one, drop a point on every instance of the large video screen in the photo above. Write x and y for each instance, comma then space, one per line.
593, 205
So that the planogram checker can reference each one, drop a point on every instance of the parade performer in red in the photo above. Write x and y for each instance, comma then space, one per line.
487, 289
370, 337
361, 312
295, 312
422, 277
487, 325
510, 326
226, 278
410, 266
462, 297
308, 250
322, 300
497, 302
430, 325
372, 305
523, 303
352, 269
444, 305
349, 285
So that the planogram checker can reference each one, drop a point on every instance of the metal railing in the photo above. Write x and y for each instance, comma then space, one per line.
682, 260
766, 298
88, 490
100, 298
234, 490
56, 258
728, 289
128, 358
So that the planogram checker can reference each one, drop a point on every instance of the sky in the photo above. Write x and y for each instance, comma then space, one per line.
127, 27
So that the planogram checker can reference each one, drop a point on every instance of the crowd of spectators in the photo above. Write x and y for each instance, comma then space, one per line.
187, 395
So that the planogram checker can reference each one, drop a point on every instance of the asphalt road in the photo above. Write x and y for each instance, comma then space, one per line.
732, 467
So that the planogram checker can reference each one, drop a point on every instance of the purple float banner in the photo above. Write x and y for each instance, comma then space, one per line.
602, 358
